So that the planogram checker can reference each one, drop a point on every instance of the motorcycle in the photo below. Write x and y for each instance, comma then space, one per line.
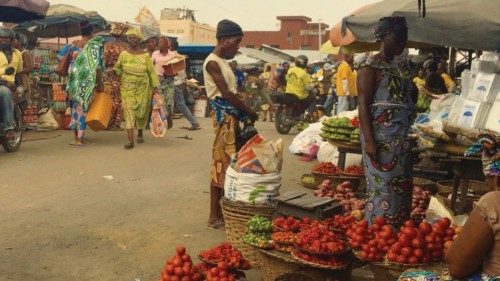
291, 111
13, 144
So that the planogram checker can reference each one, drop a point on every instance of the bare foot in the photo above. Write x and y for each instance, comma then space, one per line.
215, 224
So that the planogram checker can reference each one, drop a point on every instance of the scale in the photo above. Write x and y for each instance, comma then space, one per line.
301, 204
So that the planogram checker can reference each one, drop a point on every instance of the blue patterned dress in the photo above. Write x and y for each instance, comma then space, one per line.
389, 178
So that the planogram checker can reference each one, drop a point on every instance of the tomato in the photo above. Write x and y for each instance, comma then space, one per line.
401, 259
196, 277
380, 221
437, 254
431, 238
181, 250
222, 266
425, 228
419, 253
409, 232
364, 255
186, 278
373, 243
373, 250
376, 227
185, 258
175, 278
404, 240
437, 229
413, 260
177, 262
355, 245
169, 269
396, 248
360, 230
214, 271
430, 246
392, 256
391, 241
417, 243
409, 223
178, 271
223, 274
444, 223
371, 256
187, 269
450, 232
406, 251
386, 234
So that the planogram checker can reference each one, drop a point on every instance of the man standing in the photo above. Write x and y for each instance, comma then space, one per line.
240, 76
277, 81
160, 57
179, 88
345, 83
448, 81
9, 58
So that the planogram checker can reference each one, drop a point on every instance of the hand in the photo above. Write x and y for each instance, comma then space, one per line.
253, 115
371, 150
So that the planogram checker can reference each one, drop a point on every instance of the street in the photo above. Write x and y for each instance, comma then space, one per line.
63, 220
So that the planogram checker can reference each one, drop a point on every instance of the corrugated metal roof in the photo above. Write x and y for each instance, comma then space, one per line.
260, 55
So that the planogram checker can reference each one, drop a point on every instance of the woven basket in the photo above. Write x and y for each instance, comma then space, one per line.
479, 188
425, 184
236, 216
275, 266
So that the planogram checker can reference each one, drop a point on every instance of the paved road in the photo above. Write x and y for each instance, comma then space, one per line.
61, 220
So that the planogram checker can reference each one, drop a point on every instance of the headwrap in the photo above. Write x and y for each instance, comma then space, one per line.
134, 32
23, 40
387, 23
118, 29
227, 28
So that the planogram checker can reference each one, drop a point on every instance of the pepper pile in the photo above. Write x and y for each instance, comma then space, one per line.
259, 232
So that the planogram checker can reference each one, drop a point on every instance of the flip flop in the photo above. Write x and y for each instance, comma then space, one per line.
129, 145
217, 225
193, 128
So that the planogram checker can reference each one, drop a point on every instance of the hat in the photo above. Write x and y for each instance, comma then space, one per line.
134, 32
227, 28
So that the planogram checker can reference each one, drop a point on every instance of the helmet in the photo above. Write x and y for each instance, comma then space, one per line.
6, 32
301, 61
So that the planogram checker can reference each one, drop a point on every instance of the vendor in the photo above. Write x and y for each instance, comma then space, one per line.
220, 83
386, 109
433, 81
489, 145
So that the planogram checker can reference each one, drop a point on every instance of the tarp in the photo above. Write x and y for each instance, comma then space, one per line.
465, 24
260, 55
22, 10
63, 21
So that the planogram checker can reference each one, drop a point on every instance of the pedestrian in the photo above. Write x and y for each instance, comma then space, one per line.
386, 113
229, 109
112, 51
345, 83
138, 81
240, 76
151, 45
434, 83
448, 81
160, 57
179, 89
85, 74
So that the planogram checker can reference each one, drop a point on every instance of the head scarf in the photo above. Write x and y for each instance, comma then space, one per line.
387, 23
227, 28
135, 32
118, 29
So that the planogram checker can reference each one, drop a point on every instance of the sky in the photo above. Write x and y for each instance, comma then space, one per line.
250, 14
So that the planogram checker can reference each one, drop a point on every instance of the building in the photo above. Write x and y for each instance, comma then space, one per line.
295, 33
182, 24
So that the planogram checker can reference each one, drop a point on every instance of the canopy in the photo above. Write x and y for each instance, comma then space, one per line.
63, 21
22, 10
328, 48
465, 24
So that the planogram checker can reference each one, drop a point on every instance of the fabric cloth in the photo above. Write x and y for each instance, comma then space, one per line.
111, 53
240, 78
227, 28
297, 79
78, 119
159, 59
224, 147
82, 74
6, 108
222, 107
16, 61
343, 104
491, 166
167, 92
386, 23
138, 78
180, 103
419, 82
227, 73
135, 32
449, 83
489, 208
389, 177
345, 75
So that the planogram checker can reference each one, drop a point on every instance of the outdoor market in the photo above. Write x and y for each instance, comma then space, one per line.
370, 152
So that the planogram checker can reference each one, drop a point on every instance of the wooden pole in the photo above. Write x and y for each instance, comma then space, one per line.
453, 61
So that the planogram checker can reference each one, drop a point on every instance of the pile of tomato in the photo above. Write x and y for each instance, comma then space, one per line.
355, 170
287, 224
225, 252
180, 268
320, 240
326, 168
355, 122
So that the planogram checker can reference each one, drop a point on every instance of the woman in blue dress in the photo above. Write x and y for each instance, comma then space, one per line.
386, 111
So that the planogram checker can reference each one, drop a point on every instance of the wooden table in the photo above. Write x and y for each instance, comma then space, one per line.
344, 148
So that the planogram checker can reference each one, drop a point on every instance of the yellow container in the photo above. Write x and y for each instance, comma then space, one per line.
99, 112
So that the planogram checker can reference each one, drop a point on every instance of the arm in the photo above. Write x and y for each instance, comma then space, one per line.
367, 79
27, 66
153, 77
118, 65
214, 70
467, 252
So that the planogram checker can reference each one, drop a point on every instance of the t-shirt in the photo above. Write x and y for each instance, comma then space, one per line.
489, 207
240, 78
227, 73
296, 81
16, 62
159, 59
450, 84
344, 72
419, 82
435, 82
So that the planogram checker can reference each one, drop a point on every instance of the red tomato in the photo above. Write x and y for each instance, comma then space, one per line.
169, 269
373, 243
396, 248
392, 256
409, 232
360, 230
425, 227
179, 272
419, 253
409, 223
366, 247
450, 232
181, 250
430, 246
402, 259
174, 278
391, 241
404, 240
177, 262
439, 230
444, 223
406, 251
431, 238
214, 272
196, 277
380, 221
413, 260
186, 278
417, 243
386, 234
222, 266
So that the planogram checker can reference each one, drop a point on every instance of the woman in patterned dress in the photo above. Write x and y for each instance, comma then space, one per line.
387, 97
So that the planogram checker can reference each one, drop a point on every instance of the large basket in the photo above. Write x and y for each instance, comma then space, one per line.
425, 184
385, 271
479, 188
236, 217
276, 265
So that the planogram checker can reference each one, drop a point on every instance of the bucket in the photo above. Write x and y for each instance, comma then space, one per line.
200, 108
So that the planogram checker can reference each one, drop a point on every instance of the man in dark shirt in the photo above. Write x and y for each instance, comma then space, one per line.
433, 81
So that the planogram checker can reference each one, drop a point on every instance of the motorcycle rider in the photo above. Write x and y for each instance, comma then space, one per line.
9, 58
298, 83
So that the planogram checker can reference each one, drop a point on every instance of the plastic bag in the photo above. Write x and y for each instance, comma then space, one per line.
158, 124
327, 153
260, 156
251, 188
308, 136
46, 120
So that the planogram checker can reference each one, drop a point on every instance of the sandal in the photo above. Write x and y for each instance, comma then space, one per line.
194, 128
129, 145
217, 225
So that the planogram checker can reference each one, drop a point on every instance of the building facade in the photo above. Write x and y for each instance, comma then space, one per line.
295, 33
182, 24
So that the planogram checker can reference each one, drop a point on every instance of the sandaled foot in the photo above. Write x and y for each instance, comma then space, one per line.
216, 225
170, 122
129, 145
140, 139
193, 127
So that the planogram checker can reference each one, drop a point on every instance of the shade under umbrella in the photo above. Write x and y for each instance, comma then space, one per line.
63, 21
466, 24
22, 10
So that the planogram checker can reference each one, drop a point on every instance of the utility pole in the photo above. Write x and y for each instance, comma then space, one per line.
319, 39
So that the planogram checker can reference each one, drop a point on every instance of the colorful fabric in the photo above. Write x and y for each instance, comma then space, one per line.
491, 165
111, 53
158, 124
135, 32
223, 107
78, 118
386, 23
82, 75
223, 149
167, 91
297, 80
423, 275
389, 177
138, 78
